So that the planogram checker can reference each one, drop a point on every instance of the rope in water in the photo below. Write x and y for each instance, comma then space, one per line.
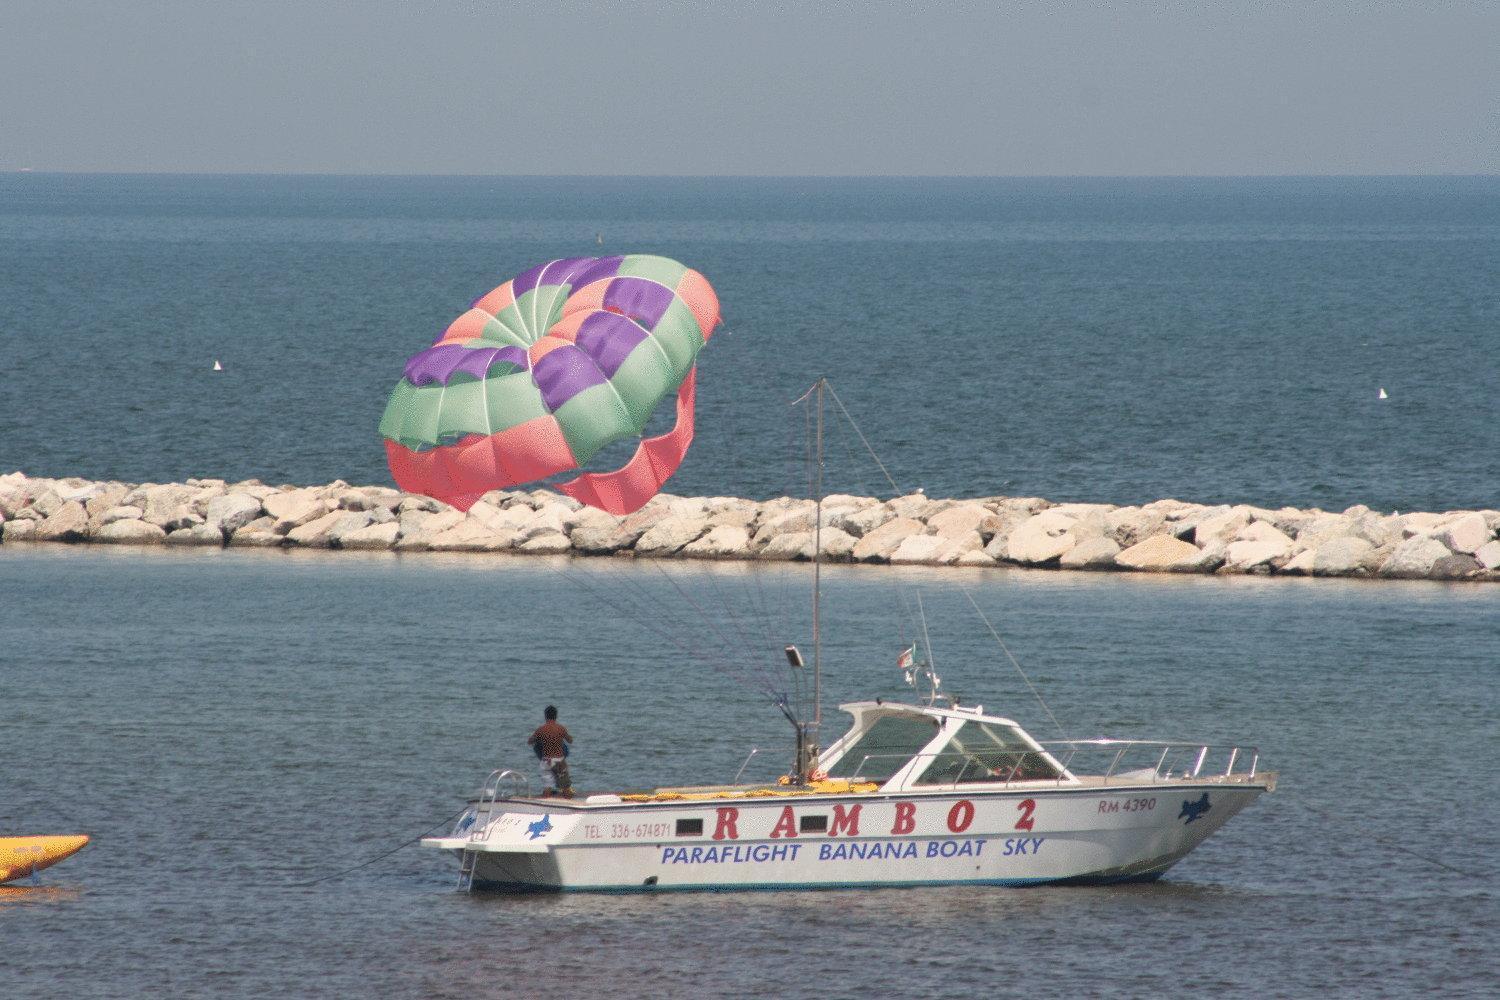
380, 857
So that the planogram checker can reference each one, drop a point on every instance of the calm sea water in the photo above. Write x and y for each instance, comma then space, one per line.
1117, 340
229, 724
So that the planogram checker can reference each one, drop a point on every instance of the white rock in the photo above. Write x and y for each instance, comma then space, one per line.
864, 520
420, 522
959, 521
197, 534
974, 558
1488, 555
601, 536
1221, 528
922, 550
1456, 566
372, 536
996, 528
466, 536
1091, 553
294, 509
1414, 558
548, 543
120, 514
1348, 555
913, 506
1163, 554
69, 522
1040, 539
46, 502
1418, 523
231, 512
349, 521
792, 545
877, 545
671, 533
166, 506
838, 545
1323, 528
1466, 534
130, 532
314, 534
19, 531
1244, 556
724, 541
1129, 525
104, 500
1263, 531
1301, 563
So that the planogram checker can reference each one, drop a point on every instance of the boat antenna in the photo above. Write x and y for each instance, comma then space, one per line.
806, 767
934, 682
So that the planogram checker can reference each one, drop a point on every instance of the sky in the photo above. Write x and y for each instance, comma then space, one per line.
1063, 88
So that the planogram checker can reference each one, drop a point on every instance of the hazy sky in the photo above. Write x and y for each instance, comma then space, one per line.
747, 88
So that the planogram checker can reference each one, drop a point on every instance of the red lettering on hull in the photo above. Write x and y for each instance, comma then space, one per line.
786, 826
906, 818
726, 829
846, 823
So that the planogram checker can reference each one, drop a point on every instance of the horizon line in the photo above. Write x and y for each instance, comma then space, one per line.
30, 171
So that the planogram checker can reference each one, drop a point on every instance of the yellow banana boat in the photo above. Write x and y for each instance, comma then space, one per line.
20, 856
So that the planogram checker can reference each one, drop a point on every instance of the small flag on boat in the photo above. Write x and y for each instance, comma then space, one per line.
906, 660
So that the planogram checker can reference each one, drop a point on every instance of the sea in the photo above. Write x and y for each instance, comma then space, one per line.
254, 739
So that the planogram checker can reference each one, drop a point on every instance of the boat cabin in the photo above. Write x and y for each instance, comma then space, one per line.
926, 747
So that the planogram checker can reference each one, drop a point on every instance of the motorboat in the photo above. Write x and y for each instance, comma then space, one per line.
912, 794
921, 793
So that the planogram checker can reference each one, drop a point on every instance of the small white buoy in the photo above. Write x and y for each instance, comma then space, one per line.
599, 239
218, 367
1382, 394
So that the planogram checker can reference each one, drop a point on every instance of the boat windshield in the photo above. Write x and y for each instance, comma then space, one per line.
987, 751
885, 748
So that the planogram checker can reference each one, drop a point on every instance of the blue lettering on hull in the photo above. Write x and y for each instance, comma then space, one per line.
846, 850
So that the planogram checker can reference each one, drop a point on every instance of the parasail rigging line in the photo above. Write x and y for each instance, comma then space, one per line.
768, 681
642, 615
1015, 663
866, 441
698, 607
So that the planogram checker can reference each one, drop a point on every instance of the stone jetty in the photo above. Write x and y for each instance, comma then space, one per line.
1168, 536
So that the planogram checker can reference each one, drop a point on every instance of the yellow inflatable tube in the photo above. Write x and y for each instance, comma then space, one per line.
20, 856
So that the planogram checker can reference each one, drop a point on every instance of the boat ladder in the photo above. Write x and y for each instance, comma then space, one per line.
499, 786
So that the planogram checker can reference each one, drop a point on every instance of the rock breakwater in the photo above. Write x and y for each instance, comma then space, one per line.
1168, 536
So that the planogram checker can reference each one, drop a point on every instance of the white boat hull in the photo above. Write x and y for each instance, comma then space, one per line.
1021, 836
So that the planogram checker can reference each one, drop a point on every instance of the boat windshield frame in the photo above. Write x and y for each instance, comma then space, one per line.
906, 767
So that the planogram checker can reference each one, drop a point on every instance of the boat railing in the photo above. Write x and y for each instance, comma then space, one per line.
1111, 759
501, 784
1121, 760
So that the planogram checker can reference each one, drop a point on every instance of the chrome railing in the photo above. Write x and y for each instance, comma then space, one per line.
1163, 758
1158, 758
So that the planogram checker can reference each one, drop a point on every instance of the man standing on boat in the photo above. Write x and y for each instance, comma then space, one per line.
550, 743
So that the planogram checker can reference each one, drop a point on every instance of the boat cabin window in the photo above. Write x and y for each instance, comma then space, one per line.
885, 748
987, 751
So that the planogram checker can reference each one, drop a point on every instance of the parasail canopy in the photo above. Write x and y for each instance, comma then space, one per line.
546, 370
